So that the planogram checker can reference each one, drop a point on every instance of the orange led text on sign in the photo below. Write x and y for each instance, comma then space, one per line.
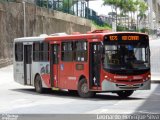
113, 37
130, 37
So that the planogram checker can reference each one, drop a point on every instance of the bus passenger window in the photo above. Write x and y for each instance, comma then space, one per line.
67, 51
81, 51
55, 51
36, 51
44, 52
19, 51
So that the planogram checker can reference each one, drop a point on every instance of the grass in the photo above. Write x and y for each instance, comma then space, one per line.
105, 26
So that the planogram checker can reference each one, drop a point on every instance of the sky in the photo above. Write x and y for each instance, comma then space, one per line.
99, 8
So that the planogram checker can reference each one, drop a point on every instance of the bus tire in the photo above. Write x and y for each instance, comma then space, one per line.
83, 89
38, 84
125, 93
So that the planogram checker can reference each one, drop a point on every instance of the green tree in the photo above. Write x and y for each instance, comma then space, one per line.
143, 7
115, 5
125, 7
132, 10
67, 4
128, 8
141, 13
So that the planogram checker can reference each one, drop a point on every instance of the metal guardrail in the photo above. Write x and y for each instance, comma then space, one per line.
7, 0
73, 7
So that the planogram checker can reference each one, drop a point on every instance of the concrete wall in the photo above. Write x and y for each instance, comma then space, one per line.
38, 21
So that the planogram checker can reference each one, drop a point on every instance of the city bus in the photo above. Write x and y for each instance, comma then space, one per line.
98, 61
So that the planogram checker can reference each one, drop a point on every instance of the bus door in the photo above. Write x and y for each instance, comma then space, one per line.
27, 64
95, 63
54, 62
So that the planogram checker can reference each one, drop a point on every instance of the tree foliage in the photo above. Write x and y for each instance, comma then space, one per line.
129, 7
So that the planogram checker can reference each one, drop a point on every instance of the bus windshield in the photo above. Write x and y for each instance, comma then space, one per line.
126, 56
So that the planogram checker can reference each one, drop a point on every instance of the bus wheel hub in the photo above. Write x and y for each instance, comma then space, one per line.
84, 88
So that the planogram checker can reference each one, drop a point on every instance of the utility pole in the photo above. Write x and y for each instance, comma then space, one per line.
24, 18
150, 14
157, 15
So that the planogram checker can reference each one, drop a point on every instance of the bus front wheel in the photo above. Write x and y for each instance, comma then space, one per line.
125, 93
38, 84
83, 89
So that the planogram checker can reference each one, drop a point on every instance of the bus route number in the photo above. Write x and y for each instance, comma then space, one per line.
112, 38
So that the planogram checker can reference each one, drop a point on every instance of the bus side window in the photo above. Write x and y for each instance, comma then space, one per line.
19, 51
36, 51
67, 51
55, 51
81, 51
44, 52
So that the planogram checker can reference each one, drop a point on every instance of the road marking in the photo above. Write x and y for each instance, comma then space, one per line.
146, 112
119, 102
97, 111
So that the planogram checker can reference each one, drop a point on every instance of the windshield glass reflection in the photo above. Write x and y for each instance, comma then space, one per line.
126, 56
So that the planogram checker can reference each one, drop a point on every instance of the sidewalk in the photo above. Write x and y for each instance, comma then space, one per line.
6, 74
153, 37
155, 77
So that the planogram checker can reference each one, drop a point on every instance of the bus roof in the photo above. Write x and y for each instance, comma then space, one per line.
29, 39
86, 36
71, 37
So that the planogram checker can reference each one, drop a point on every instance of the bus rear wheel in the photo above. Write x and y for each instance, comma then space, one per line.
38, 84
83, 89
125, 93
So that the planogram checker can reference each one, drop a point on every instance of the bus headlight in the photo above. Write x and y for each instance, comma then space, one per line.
105, 76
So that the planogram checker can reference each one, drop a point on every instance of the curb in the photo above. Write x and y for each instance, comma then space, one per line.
5, 63
155, 81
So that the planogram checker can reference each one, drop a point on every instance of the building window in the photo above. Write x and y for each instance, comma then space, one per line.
81, 51
19, 51
67, 51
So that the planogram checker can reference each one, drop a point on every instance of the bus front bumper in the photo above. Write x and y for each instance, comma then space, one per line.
111, 86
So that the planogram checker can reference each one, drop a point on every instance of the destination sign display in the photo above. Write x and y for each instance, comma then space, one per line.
116, 37
126, 38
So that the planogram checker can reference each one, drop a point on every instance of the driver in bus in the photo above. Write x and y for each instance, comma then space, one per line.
125, 54
130, 56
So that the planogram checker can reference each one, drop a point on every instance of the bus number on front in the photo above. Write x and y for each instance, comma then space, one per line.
113, 38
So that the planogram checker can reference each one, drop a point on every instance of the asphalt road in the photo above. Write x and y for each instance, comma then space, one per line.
18, 99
